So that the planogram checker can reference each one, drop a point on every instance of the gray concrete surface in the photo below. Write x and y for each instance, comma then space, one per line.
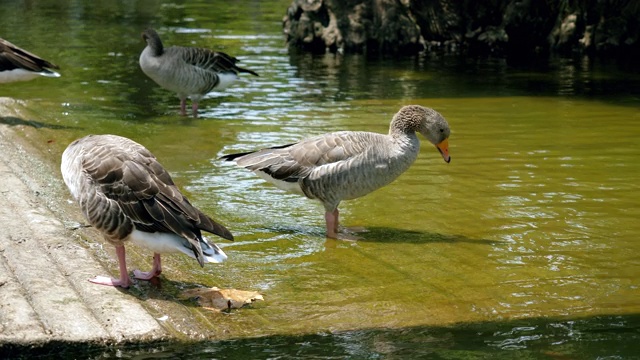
45, 297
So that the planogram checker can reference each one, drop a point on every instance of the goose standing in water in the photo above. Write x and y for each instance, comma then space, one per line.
188, 71
17, 64
348, 164
125, 193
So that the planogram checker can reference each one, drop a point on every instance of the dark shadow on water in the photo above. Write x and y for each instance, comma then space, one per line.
382, 235
536, 338
393, 235
593, 337
297, 230
14, 121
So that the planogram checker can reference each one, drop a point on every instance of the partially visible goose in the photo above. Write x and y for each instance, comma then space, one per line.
188, 71
17, 64
125, 193
348, 164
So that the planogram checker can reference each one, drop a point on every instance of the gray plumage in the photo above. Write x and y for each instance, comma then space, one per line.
124, 192
17, 64
348, 164
188, 71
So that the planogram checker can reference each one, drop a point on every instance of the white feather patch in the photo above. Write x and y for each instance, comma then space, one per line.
8, 76
226, 80
293, 187
163, 243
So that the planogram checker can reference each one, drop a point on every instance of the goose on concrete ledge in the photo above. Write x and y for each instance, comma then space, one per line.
188, 71
126, 194
348, 164
17, 64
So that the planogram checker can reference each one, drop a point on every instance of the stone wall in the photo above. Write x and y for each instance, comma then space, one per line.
516, 27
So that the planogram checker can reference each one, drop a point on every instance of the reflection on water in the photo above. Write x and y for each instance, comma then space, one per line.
535, 218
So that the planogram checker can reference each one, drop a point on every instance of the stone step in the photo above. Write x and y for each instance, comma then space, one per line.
44, 292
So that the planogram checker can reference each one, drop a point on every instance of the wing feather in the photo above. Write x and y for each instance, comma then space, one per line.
294, 161
215, 61
146, 194
12, 57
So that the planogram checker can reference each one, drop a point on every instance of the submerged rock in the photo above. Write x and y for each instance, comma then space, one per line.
221, 299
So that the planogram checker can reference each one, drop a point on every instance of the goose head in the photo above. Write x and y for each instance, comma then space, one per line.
426, 121
151, 37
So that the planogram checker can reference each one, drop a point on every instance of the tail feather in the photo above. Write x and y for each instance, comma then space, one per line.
243, 70
209, 252
209, 225
233, 157
49, 73
212, 253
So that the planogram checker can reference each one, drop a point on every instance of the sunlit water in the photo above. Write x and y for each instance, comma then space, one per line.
527, 241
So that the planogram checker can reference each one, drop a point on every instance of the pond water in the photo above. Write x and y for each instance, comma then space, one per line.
525, 245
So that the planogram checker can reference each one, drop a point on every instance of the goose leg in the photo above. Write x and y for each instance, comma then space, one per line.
183, 107
124, 280
155, 270
194, 109
331, 218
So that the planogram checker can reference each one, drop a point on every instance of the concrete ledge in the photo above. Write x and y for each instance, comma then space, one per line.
45, 297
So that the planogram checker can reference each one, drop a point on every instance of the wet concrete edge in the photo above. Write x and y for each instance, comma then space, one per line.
45, 298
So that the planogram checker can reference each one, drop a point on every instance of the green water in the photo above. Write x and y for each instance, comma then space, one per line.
525, 245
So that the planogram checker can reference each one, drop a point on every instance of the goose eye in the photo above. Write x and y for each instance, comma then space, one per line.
441, 130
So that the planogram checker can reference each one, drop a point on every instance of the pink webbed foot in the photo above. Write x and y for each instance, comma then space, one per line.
348, 234
123, 282
155, 270
145, 275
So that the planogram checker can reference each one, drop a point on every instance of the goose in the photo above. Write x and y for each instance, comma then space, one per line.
188, 71
348, 164
126, 194
17, 64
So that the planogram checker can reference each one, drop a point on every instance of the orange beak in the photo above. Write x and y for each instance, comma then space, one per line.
443, 147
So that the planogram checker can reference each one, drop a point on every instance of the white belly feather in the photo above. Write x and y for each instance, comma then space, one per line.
293, 187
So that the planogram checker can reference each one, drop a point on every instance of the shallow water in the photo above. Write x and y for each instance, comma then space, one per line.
526, 241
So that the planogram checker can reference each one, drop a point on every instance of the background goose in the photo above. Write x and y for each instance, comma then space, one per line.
17, 64
348, 164
188, 71
126, 194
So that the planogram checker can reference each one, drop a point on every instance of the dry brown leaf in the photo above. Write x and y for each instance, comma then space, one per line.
221, 299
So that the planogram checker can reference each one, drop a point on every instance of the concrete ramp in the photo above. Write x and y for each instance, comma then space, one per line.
44, 293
